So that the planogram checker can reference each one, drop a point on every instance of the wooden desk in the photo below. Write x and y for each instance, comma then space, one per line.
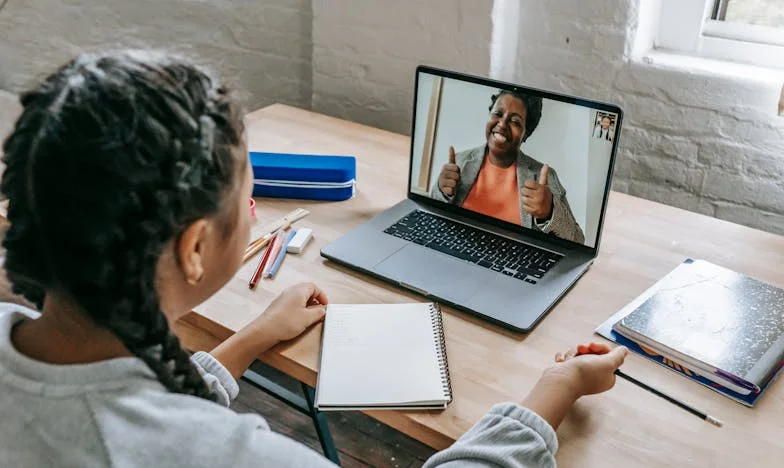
642, 242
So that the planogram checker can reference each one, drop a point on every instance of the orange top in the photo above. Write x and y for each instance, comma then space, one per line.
495, 193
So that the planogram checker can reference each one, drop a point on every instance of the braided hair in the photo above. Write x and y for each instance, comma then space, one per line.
113, 156
533, 108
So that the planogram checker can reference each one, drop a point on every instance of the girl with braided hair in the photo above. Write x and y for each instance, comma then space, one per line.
128, 182
128, 179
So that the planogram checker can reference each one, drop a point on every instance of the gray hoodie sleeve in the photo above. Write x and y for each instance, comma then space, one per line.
509, 436
218, 379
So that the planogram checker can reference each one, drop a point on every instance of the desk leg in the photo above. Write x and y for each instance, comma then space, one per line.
303, 405
320, 421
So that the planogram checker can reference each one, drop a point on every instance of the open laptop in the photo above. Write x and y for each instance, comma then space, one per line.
486, 228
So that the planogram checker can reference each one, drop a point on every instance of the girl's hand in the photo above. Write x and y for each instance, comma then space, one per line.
291, 313
584, 370
589, 368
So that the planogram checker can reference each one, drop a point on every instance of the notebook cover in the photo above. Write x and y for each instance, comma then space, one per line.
715, 316
303, 176
396, 349
606, 330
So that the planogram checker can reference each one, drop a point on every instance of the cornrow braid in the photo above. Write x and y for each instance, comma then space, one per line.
135, 145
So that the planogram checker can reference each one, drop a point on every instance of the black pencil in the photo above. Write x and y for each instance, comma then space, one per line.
672, 400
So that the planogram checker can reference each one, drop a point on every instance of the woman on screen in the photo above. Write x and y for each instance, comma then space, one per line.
497, 179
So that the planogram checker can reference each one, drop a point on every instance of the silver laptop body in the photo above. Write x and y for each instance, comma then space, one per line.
466, 247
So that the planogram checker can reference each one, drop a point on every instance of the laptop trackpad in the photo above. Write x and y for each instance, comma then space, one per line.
432, 272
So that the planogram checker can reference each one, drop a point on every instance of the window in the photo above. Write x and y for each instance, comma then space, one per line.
758, 12
746, 31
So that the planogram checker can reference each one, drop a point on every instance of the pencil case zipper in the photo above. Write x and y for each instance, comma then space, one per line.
308, 185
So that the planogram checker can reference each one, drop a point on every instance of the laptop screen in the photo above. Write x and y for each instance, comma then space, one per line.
529, 158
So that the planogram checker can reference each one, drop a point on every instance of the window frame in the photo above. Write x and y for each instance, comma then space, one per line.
687, 27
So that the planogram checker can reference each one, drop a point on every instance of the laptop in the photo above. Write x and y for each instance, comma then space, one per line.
507, 192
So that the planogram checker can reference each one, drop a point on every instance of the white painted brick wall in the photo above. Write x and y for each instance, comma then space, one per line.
9, 111
261, 47
703, 141
365, 53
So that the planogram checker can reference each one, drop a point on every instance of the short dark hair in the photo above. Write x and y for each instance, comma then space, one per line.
113, 156
533, 108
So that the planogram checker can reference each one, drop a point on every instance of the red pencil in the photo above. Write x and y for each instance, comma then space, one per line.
262, 262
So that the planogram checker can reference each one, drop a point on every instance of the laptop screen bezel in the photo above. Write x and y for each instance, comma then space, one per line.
600, 106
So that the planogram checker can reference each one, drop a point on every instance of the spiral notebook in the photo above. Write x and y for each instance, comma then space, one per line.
383, 356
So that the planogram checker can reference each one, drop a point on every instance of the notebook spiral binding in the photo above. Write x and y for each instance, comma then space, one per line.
437, 320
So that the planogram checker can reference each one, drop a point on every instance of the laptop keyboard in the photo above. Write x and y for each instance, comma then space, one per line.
488, 250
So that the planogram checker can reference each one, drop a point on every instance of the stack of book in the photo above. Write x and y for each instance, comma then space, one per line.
719, 328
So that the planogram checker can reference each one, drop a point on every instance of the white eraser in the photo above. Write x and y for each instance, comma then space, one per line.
299, 241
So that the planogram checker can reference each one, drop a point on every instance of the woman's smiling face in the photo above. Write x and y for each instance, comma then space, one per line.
505, 128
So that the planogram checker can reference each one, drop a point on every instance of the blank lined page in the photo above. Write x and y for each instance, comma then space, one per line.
380, 354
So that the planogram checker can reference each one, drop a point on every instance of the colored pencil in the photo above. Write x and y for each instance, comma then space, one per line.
257, 273
256, 247
277, 244
275, 266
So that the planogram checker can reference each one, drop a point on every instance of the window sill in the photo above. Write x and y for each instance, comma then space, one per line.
691, 63
771, 78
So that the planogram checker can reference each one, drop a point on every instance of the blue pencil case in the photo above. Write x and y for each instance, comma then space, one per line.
303, 176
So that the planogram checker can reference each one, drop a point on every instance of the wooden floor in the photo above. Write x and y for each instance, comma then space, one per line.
361, 440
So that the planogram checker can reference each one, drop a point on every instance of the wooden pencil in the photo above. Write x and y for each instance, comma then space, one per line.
250, 252
282, 224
